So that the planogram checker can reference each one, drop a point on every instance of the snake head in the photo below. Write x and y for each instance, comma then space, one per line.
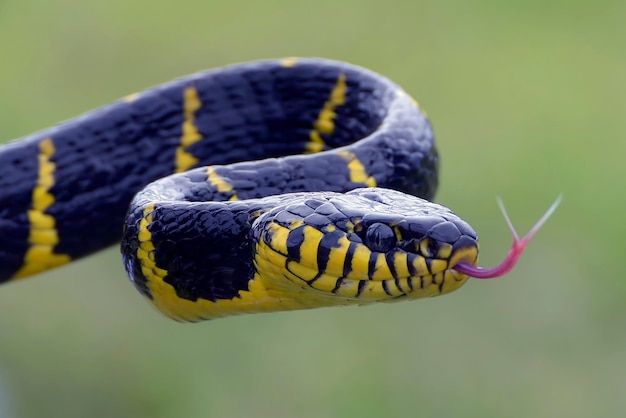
364, 246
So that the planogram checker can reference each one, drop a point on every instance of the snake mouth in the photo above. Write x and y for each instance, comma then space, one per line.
432, 277
382, 277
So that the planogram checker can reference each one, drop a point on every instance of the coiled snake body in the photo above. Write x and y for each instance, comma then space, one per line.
221, 236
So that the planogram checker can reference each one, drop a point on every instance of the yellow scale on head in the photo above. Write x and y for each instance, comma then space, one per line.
286, 281
43, 235
270, 259
306, 268
359, 262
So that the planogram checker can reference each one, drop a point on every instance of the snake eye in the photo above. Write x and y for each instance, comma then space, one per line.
380, 238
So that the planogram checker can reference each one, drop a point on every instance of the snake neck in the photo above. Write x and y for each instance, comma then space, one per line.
206, 256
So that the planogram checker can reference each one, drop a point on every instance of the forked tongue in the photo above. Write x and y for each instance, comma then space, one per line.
514, 253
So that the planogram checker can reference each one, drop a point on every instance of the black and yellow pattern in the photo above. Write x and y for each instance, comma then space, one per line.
222, 236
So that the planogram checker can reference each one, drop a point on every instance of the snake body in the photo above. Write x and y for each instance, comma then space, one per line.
221, 236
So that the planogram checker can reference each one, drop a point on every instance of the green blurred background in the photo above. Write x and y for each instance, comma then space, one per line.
528, 100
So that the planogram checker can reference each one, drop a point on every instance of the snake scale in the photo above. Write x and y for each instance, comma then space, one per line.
258, 187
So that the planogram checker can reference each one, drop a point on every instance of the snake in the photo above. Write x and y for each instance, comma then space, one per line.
266, 186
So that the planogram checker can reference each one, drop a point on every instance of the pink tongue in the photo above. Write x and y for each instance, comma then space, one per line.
514, 253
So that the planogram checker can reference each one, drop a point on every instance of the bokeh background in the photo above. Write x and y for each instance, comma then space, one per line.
528, 101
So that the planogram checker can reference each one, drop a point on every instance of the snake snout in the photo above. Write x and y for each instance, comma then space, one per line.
440, 240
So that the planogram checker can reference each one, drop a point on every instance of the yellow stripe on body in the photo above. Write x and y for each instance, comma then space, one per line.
131, 97
164, 296
289, 62
191, 104
268, 291
145, 255
220, 184
325, 123
358, 174
43, 235
402, 93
